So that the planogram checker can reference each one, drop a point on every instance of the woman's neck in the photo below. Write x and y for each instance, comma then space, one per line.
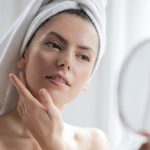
16, 123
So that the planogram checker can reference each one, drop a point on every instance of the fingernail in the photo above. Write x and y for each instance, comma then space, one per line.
43, 92
11, 77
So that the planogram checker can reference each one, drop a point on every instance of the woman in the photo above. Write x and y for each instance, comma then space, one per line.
58, 55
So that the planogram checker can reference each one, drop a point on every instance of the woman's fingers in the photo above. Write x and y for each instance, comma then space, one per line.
52, 110
48, 104
20, 87
20, 108
42, 119
29, 101
24, 93
145, 146
47, 101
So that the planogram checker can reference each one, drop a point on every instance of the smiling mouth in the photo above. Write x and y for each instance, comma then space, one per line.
57, 80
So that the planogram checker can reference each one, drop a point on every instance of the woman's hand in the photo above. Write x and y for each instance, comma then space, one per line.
43, 119
145, 146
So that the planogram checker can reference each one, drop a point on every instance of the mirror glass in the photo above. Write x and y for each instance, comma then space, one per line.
134, 89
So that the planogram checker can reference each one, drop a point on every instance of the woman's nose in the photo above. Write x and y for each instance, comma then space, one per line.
65, 61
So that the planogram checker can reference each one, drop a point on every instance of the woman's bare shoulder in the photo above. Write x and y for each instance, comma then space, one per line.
91, 138
95, 137
99, 140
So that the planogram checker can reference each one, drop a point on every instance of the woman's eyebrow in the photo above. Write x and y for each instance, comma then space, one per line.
61, 38
85, 48
58, 36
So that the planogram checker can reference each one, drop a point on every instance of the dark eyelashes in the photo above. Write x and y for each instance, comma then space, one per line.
53, 45
85, 58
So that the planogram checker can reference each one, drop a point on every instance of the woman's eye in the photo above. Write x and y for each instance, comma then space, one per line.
53, 45
84, 57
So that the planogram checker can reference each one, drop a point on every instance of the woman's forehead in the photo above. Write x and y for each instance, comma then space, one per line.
70, 28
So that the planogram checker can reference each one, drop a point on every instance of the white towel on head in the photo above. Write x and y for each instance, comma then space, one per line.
14, 42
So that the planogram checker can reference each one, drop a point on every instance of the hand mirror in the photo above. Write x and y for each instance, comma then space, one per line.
134, 90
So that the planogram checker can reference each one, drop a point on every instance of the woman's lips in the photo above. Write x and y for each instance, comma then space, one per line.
57, 80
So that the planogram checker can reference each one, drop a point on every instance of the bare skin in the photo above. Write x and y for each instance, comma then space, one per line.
13, 139
37, 124
145, 146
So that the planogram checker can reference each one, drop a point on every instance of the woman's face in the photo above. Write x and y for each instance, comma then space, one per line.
60, 57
